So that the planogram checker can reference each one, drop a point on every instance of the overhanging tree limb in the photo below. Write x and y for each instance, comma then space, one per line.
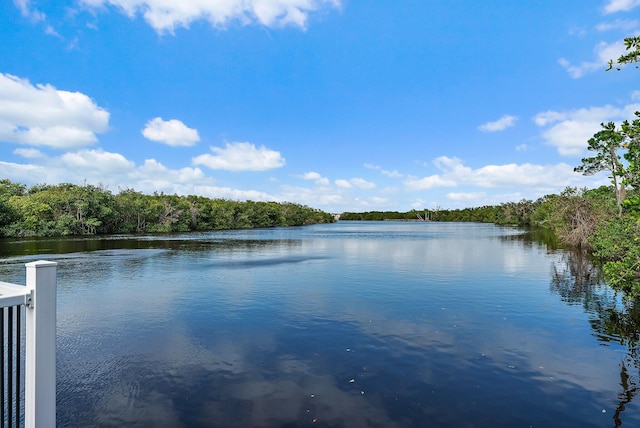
632, 46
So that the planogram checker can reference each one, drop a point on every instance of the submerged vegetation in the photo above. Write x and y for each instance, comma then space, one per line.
69, 209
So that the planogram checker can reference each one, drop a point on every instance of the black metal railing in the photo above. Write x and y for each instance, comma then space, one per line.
11, 363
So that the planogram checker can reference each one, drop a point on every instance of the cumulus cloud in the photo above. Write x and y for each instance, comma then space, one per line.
501, 124
170, 132
319, 179
110, 169
613, 6
153, 176
454, 174
569, 131
97, 162
165, 16
241, 157
603, 53
42, 115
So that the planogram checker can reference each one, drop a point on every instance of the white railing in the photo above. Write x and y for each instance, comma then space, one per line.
39, 299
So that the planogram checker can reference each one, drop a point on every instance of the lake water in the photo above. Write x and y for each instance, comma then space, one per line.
352, 324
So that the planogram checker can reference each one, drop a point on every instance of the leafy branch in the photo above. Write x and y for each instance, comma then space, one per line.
632, 46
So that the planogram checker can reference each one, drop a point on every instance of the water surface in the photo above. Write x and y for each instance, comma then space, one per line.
351, 324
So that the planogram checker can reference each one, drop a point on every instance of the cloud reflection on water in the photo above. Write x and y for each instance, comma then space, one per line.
440, 330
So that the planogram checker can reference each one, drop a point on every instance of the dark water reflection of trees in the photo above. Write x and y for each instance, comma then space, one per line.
576, 279
613, 318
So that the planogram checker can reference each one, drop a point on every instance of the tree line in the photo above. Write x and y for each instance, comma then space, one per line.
70, 209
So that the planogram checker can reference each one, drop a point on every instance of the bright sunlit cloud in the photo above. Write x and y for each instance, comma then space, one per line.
170, 132
569, 131
241, 157
454, 174
314, 176
42, 115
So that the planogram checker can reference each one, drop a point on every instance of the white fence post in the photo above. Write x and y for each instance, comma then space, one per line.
40, 347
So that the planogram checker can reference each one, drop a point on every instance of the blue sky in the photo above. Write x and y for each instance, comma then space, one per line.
343, 105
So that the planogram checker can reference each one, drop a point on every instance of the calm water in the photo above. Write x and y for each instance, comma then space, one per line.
344, 325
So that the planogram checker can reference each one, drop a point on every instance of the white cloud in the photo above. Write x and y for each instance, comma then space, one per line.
241, 157
97, 162
373, 201
613, 6
454, 173
29, 153
618, 24
312, 176
569, 131
343, 183
41, 115
469, 196
429, 182
28, 12
165, 16
392, 174
362, 183
235, 194
501, 124
319, 179
170, 132
111, 169
316, 197
603, 52
153, 176
26, 173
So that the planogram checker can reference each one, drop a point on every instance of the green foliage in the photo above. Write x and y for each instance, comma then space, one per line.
606, 144
632, 46
615, 238
69, 209
574, 214
616, 243
508, 213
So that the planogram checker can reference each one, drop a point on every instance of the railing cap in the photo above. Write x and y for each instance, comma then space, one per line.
41, 263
